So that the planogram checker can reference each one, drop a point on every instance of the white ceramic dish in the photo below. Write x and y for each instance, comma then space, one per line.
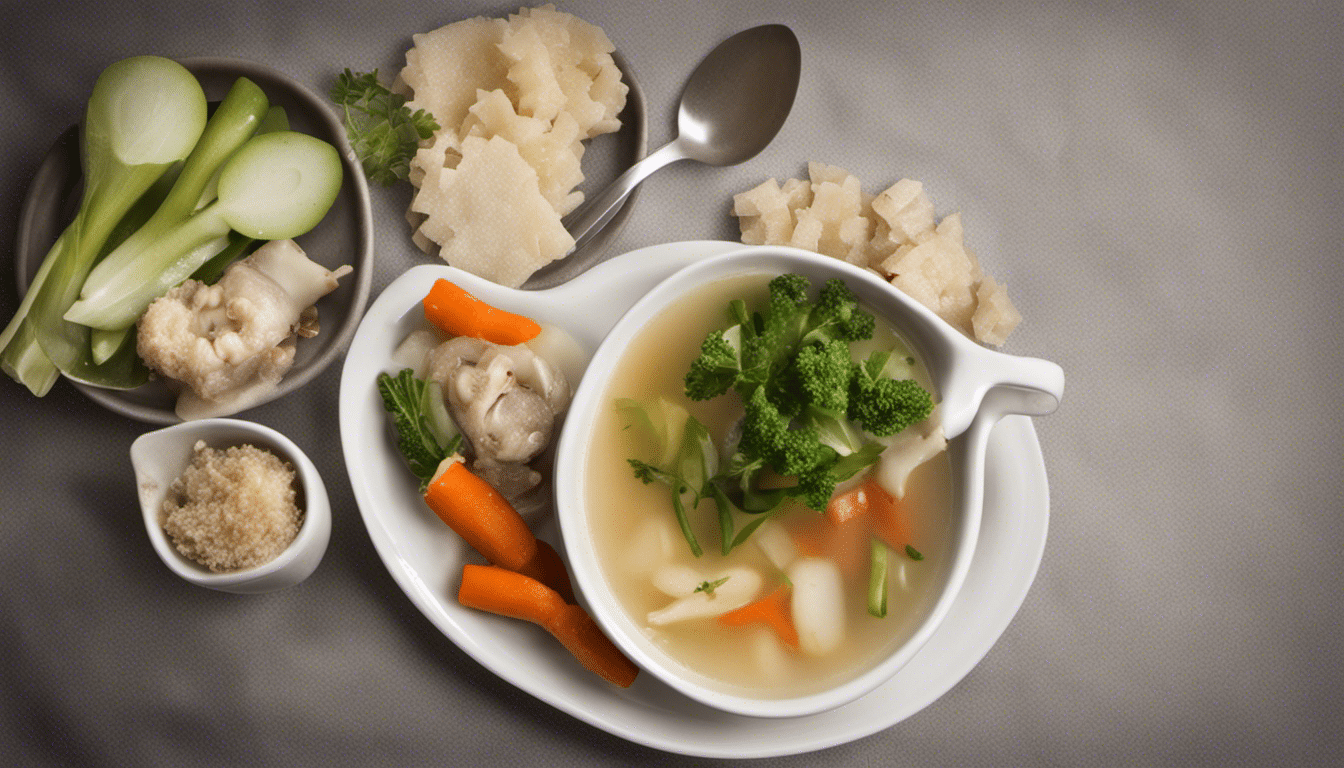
161, 456
425, 558
962, 373
344, 236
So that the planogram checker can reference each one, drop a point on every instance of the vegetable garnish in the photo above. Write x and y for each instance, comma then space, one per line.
383, 131
426, 434
810, 410
806, 401
145, 114
504, 592
458, 313
877, 579
912, 553
772, 610
489, 523
276, 186
708, 587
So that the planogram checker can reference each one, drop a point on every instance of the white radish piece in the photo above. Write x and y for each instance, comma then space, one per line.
904, 452
411, 352
650, 546
776, 543
818, 605
677, 580
739, 586
768, 653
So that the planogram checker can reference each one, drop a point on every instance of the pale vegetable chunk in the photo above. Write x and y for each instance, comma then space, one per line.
228, 344
492, 184
445, 67
894, 233
995, 316
776, 543
542, 81
939, 274
818, 604
905, 451
739, 586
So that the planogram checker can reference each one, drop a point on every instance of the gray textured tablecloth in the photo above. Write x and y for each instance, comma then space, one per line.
1156, 182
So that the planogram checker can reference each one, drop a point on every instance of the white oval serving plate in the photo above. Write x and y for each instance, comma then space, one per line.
425, 557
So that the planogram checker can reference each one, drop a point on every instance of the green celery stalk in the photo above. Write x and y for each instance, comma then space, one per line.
144, 115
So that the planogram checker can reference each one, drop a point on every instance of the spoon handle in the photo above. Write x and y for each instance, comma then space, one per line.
593, 215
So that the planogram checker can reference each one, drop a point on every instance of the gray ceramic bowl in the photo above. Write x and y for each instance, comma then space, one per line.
345, 235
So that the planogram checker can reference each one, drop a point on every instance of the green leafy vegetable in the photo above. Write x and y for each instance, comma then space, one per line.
425, 433
807, 402
278, 185
145, 114
383, 131
912, 553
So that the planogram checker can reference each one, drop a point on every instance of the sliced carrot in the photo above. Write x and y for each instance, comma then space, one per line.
772, 610
891, 522
547, 567
848, 505
489, 523
507, 593
581, 636
482, 516
454, 311
845, 543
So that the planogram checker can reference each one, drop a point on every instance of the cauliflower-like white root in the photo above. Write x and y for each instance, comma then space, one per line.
238, 335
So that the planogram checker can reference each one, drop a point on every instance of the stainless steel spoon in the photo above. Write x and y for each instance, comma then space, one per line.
732, 106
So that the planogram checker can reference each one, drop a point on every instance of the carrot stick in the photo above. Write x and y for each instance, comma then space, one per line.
547, 567
848, 505
504, 592
481, 515
489, 523
771, 610
508, 593
581, 636
456, 312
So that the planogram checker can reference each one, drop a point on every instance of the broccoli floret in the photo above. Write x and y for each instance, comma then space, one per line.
822, 373
815, 487
715, 371
767, 433
804, 397
837, 315
886, 406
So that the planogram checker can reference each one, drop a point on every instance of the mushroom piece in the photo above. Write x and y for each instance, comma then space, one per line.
505, 400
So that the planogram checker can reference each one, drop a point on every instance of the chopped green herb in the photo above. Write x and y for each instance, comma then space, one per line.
913, 553
426, 435
708, 587
383, 131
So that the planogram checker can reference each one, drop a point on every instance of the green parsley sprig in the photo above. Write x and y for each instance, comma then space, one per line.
383, 131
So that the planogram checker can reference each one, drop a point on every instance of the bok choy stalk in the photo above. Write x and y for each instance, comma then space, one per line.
232, 124
105, 342
145, 114
277, 186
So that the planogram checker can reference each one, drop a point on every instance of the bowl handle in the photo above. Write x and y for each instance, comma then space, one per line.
989, 385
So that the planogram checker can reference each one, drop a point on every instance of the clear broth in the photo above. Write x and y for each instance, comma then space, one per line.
743, 660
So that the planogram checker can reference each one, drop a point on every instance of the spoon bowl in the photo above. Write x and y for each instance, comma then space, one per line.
732, 106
